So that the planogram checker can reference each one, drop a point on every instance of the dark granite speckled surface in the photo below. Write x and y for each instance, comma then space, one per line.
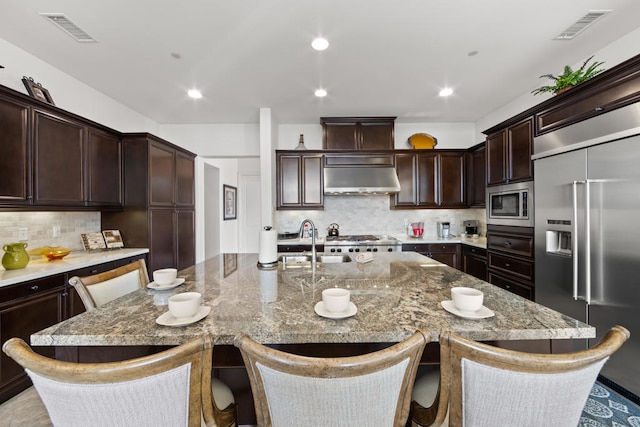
395, 294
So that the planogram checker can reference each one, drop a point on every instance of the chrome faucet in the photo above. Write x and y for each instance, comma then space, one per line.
313, 239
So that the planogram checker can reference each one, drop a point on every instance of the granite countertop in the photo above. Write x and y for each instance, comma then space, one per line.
395, 294
480, 242
40, 267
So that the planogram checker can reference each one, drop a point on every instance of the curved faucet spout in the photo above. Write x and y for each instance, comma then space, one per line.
313, 240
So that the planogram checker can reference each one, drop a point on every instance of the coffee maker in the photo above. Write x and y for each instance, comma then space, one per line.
471, 227
444, 230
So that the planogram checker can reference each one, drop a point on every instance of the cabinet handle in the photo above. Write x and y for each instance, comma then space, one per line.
34, 287
599, 108
506, 264
507, 243
64, 294
94, 272
507, 286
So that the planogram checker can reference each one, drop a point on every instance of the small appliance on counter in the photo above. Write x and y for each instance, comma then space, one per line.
471, 228
415, 229
332, 230
444, 230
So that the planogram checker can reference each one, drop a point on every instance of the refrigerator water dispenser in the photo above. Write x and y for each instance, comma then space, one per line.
558, 242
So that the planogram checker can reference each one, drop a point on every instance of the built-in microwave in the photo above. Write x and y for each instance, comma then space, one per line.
510, 204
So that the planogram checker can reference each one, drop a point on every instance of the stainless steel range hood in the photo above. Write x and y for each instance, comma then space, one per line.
361, 180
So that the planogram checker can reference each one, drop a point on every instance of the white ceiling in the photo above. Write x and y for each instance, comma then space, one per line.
386, 58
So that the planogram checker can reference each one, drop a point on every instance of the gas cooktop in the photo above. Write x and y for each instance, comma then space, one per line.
353, 238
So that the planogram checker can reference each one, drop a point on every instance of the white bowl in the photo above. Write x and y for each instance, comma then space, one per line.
467, 299
336, 300
165, 276
185, 304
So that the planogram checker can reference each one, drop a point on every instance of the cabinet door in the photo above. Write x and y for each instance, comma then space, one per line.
496, 158
289, 181
340, 136
59, 159
185, 238
406, 169
313, 181
15, 186
185, 180
477, 177
21, 319
161, 239
376, 136
520, 137
474, 262
427, 167
451, 177
105, 168
161, 174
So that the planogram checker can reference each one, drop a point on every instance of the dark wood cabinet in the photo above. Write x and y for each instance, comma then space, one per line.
159, 194
476, 177
509, 153
299, 180
104, 168
59, 160
446, 253
15, 187
298, 247
474, 261
434, 179
52, 159
357, 133
510, 259
26, 308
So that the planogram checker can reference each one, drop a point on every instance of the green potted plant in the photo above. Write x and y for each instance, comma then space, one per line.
570, 77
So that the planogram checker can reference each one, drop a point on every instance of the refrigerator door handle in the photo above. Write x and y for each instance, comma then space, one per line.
587, 241
575, 239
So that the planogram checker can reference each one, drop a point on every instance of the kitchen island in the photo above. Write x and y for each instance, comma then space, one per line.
395, 294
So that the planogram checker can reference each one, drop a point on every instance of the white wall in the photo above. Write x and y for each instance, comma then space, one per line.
228, 229
221, 140
68, 93
612, 55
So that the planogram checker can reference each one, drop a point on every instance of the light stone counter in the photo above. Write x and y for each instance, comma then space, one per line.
395, 294
39, 267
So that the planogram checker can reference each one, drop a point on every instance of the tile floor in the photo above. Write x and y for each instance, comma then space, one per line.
25, 409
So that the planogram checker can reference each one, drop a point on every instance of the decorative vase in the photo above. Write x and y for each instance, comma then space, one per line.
15, 256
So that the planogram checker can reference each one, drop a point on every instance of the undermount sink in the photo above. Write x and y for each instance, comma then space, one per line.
323, 259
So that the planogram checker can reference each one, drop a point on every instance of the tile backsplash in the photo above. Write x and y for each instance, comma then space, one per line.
372, 215
40, 226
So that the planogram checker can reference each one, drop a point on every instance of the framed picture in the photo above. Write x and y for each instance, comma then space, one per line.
113, 239
230, 199
93, 241
36, 90
230, 263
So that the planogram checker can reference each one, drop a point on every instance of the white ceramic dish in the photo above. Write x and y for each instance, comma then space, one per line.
350, 311
167, 319
153, 285
483, 313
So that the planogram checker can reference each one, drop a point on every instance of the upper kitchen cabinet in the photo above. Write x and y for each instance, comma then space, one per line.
299, 180
476, 177
15, 185
430, 179
56, 160
357, 133
159, 201
509, 153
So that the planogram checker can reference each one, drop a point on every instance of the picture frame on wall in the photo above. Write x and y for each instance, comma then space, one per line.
37, 91
230, 199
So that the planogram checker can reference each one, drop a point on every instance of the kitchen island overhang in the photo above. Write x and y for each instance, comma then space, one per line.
395, 294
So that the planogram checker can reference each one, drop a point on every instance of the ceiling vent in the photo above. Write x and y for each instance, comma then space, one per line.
582, 24
68, 27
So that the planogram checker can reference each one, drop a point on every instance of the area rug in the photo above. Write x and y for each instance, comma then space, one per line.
606, 408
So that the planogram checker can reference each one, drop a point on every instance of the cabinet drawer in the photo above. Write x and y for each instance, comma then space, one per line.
30, 288
299, 248
510, 285
124, 261
90, 271
512, 266
513, 244
474, 251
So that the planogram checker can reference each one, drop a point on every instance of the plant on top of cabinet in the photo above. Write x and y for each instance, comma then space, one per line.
570, 77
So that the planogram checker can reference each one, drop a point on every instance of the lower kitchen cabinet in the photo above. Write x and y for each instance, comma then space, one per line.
26, 308
510, 262
446, 253
297, 247
474, 261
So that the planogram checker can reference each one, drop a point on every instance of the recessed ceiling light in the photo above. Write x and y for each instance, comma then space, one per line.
194, 93
447, 91
320, 93
320, 43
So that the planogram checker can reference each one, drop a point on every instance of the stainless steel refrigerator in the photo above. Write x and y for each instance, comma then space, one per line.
587, 230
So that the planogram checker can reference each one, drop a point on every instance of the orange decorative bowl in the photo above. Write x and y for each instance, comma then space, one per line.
52, 253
